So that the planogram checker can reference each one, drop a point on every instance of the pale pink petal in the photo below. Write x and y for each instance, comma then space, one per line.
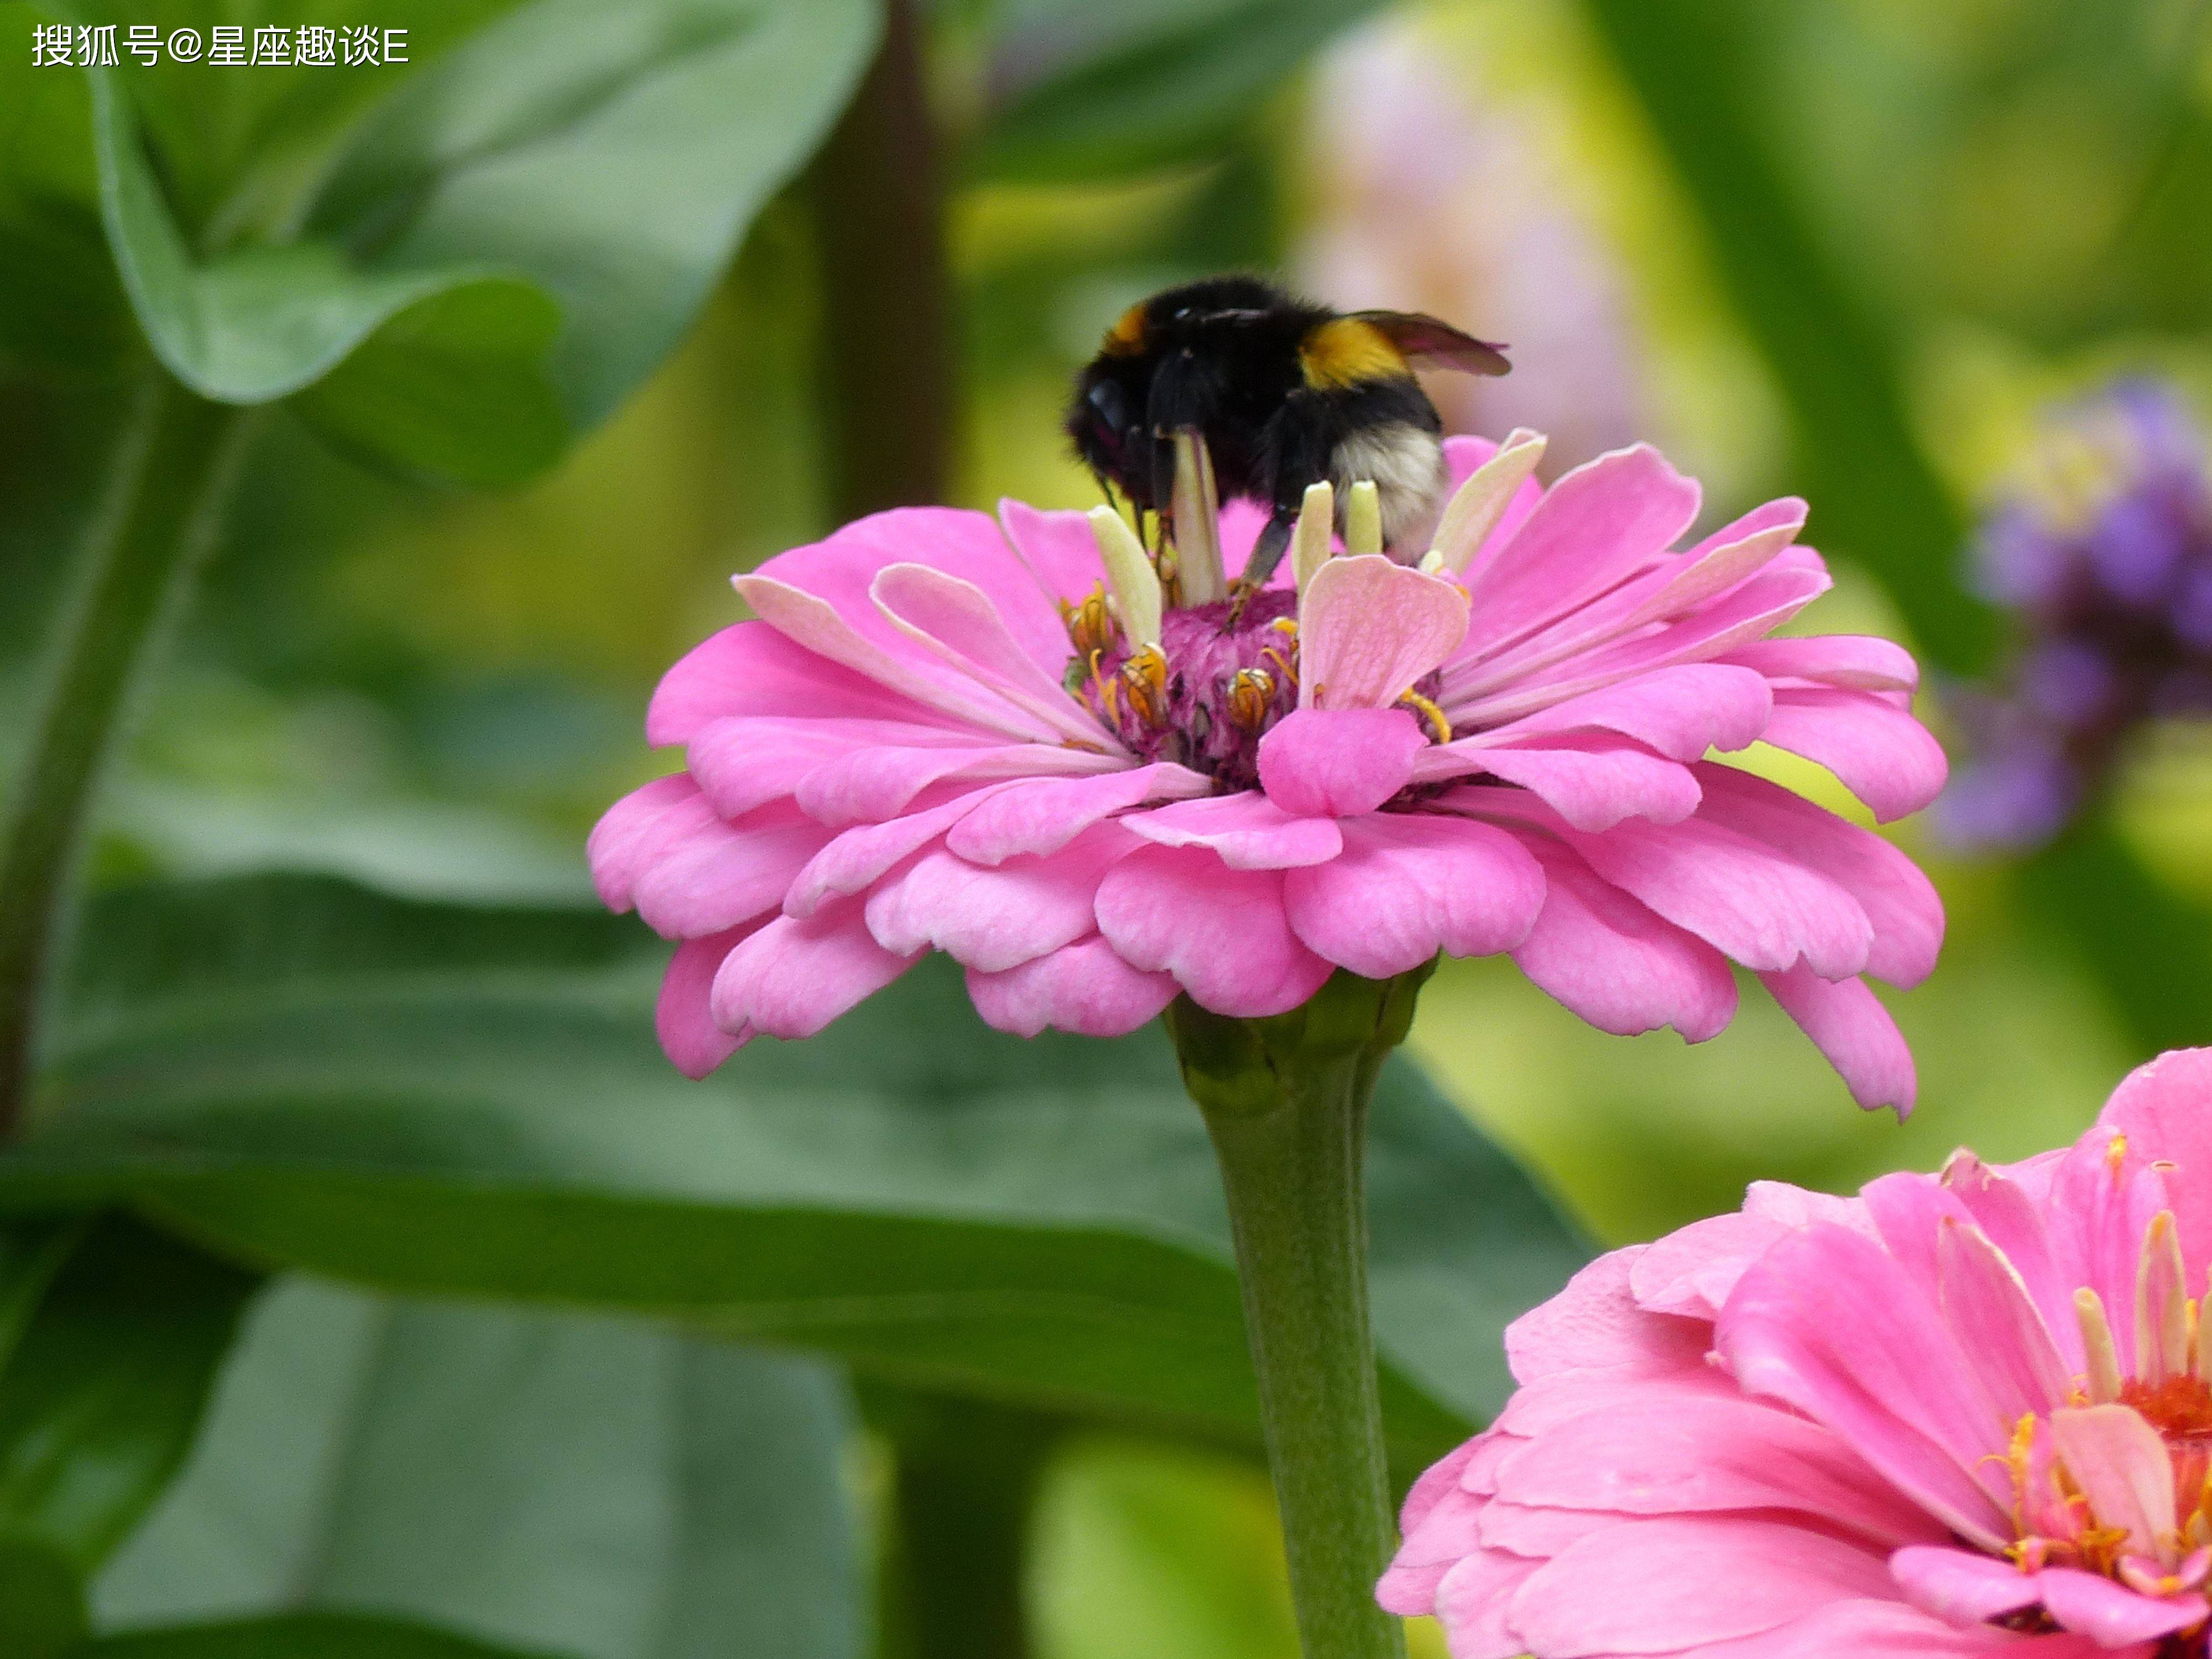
1901, 902
2103, 1194
1369, 629
957, 620
1849, 1026
1408, 885
1610, 960
1472, 1599
2164, 1109
1338, 763
1959, 1586
1221, 932
992, 917
1827, 1322
748, 761
1042, 815
1879, 751
682, 1020
1083, 987
2111, 1615
797, 973
2121, 1465
2002, 1209
1666, 1584
1246, 831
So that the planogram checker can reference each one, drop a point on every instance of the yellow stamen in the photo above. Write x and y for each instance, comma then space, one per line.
1363, 519
1428, 711
1251, 692
1090, 625
1144, 681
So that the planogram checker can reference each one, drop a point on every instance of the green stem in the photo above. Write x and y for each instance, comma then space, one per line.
176, 457
1285, 1102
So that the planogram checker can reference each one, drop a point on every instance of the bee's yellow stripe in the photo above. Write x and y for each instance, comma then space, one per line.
1346, 351
1126, 338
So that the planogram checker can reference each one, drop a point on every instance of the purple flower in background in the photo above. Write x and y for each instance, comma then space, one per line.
2104, 551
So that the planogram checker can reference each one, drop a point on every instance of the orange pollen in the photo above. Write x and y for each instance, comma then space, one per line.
1251, 694
1090, 626
1144, 682
2179, 1408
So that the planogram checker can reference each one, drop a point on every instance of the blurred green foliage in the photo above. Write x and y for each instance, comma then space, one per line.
572, 252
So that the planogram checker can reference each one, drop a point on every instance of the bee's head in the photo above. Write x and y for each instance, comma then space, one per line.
1105, 420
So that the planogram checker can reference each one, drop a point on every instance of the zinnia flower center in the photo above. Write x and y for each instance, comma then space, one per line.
1211, 688
2120, 1483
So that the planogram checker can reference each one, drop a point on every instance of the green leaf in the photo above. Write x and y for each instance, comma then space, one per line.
298, 1636
42, 1613
612, 154
1128, 88
103, 1388
439, 1100
61, 309
582, 1486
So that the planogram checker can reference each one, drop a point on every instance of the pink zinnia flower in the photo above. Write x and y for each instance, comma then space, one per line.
1096, 789
1956, 1414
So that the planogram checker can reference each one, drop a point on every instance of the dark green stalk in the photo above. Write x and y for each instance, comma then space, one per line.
172, 466
1285, 1102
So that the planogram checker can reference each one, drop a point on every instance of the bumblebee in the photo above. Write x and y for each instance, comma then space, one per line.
1285, 393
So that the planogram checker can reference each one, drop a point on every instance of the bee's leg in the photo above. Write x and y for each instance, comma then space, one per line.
1266, 553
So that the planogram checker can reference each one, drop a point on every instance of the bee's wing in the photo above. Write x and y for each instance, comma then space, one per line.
1428, 341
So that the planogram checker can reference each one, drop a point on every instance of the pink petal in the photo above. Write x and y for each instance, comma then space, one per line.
2164, 1109
957, 541
1593, 781
695, 1045
1594, 1323
1221, 932
1692, 1270
1083, 987
2101, 1201
797, 973
1894, 1631
2111, 1615
1708, 1456
1988, 1311
1245, 831
1662, 1585
1961, 1586
1057, 548
1339, 763
1408, 885
1852, 1029
1860, 660
1611, 961
814, 624
1369, 629
868, 786
1599, 523
1900, 901
2122, 1465
2014, 1222
1829, 1323
750, 669
746, 761
1681, 711
995, 917
1042, 815
1472, 1599
957, 620
630, 831
858, 858
724, 873
1741, 897
1881, 754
